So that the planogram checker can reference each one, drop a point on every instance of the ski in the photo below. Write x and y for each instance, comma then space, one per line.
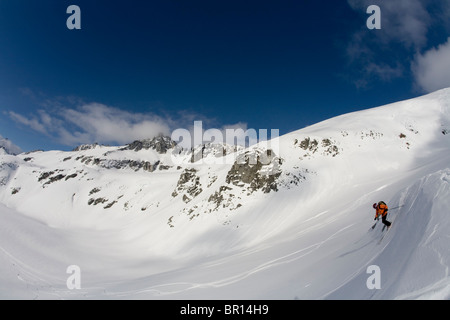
385, 233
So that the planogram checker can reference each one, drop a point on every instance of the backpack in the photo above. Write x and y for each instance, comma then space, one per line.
385, 206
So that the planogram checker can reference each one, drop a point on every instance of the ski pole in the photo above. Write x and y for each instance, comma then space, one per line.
397, 207
373, 227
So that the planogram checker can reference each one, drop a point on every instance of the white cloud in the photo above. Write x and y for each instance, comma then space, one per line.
34, 123
8, 146
384, 72
70, 121
98, 122
405, 21
432, 69
405, 26
93, 122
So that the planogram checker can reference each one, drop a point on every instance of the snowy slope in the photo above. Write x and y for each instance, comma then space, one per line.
151, 221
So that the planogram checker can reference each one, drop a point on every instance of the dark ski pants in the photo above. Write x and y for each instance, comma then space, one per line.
383, 219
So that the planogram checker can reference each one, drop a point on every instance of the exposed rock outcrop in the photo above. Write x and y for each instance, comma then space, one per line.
256, 169
160, 144
188, 185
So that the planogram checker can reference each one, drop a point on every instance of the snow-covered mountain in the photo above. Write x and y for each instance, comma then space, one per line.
150, 220
7, 147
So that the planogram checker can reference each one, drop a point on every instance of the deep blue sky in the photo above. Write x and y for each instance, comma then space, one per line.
268, 64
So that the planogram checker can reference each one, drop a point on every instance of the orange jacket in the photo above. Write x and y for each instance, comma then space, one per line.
381, 209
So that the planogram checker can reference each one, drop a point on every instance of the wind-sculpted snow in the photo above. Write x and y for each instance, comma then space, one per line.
152, 220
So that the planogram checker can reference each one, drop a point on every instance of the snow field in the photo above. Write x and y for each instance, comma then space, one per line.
310, 240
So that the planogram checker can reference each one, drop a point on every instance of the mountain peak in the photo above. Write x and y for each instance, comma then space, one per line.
7, 147
84, 147
160, 144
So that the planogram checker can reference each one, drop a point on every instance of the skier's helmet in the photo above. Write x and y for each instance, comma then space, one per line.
374, 205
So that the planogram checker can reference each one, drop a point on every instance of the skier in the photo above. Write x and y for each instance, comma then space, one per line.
381, 209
